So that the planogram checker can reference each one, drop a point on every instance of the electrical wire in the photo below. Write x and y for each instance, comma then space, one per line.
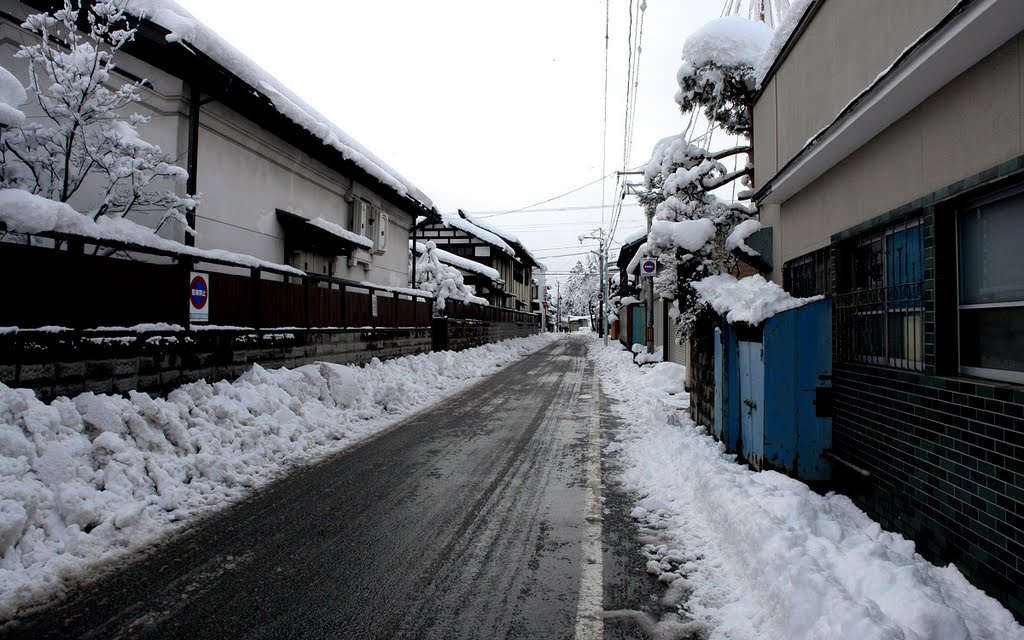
552, 199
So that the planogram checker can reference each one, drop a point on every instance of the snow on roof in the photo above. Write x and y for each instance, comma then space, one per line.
501, 233
731, 41
23, 212
459, 262
634, 235
738, 238
341, 232
457, 221
186, 29
797, 9
12, 96
751, 300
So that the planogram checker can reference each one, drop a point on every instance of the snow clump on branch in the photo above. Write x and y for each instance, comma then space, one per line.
442, 280
718, 70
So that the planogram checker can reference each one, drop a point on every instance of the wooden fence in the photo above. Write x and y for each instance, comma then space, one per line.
47, 286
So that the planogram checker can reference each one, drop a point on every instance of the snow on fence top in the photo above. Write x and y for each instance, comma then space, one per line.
731, 41
23, 212
186, 29
751, 300
459, 262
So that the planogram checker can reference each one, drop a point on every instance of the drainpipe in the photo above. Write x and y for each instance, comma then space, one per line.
193, 158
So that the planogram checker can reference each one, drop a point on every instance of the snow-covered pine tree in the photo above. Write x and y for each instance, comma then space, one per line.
690, 223
442, 280
83, 141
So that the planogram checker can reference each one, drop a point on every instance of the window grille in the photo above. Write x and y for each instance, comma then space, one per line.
880, 308
809, 275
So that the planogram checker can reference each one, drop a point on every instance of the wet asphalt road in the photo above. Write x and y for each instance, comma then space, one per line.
465, 521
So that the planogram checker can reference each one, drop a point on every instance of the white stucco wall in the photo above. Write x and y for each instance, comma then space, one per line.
245, 173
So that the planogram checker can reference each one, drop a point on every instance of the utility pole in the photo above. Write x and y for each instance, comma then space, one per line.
604, 287
650, 298
558, 309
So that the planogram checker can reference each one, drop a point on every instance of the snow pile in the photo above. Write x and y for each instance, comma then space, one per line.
186, 29
12, 96
738, 238
690, 235
23, 212
751, 300
88, 479
731, 41
759, 555
797, 9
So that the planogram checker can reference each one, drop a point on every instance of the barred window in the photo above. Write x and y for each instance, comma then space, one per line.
809, 275
880, 307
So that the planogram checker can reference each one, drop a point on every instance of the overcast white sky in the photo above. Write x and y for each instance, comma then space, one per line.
486, 106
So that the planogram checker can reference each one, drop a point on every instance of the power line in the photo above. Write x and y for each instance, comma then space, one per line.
537, 204
582, 207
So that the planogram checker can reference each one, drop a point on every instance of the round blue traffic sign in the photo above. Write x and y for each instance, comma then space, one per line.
649, 266
199, 292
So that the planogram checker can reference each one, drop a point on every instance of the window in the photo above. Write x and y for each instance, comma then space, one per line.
809, 275
880, 311
991, 287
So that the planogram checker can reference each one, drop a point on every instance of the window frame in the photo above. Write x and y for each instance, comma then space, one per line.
1001, 375
872, 298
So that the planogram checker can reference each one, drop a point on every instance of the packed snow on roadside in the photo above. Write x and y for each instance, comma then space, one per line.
86, 480
758, 554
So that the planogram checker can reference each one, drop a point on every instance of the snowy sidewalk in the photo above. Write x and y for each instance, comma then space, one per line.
759, 555
87, 481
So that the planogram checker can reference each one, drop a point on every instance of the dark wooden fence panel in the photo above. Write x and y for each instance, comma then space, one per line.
325, 307
231, 300
360, 313
48, 287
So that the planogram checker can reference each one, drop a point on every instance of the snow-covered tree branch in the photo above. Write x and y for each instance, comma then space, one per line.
442, 280
82, 142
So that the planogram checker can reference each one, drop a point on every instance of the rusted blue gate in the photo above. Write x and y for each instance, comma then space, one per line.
774, 389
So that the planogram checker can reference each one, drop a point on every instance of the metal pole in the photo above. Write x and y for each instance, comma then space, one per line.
558, 309
604, 286
650, 300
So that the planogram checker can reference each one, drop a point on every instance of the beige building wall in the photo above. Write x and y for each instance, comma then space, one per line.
972, 124
846, 45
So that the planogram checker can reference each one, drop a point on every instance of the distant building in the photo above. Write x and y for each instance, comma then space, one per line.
475, 239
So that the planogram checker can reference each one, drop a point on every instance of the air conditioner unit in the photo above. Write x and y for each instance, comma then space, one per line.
380, 240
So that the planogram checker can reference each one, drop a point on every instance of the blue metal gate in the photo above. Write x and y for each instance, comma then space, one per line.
638, 325
773, 398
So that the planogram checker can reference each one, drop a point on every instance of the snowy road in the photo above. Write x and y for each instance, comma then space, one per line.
467, 520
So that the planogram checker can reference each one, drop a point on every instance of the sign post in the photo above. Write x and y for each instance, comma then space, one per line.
199, 297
